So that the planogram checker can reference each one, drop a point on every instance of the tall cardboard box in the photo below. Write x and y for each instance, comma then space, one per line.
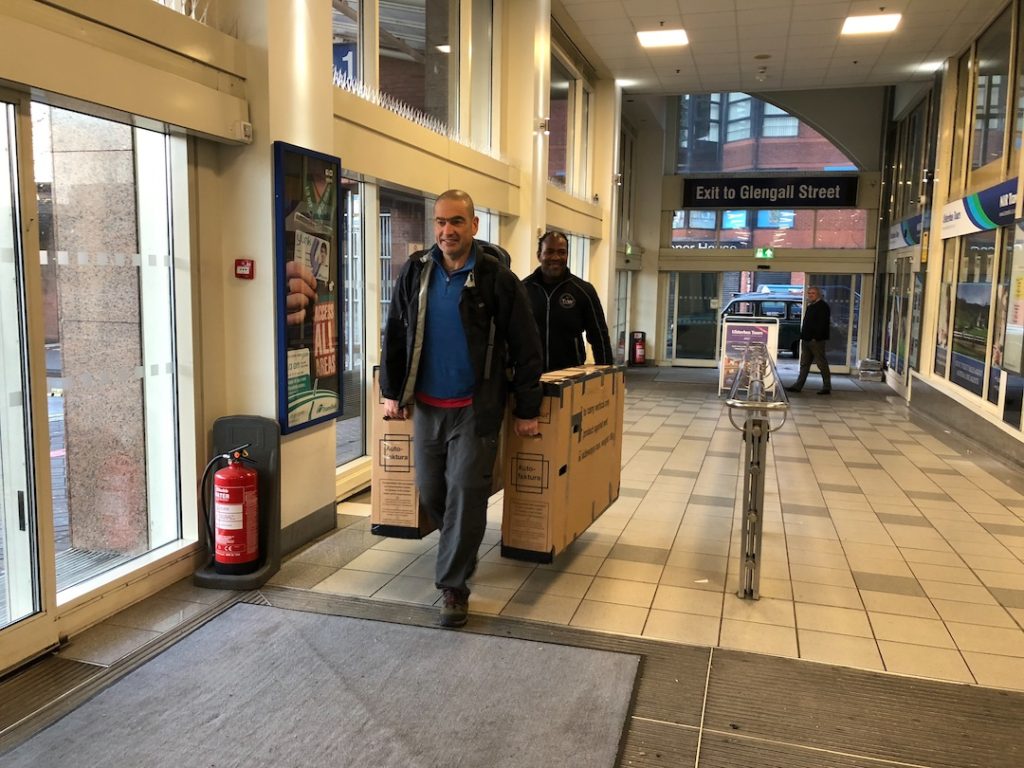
558, 484
394, 501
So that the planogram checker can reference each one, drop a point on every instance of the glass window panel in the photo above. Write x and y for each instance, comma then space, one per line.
350, 435
1013, 345
780, 141
419, 54
345, 29
702, 219
102, 191
841, 228
993, 67
735, 219
776, 219
999, 315
797, 232
559, 149
480, 74
404, 225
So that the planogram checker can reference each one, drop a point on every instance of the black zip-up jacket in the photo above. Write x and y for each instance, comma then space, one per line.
817, 322
564, 312
498, 327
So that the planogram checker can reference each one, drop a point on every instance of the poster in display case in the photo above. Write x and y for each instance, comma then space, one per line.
307, 219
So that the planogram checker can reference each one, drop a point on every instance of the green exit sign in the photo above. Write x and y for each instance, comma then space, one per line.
764, 253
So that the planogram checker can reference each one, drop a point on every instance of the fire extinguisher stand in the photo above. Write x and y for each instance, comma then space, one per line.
263, 439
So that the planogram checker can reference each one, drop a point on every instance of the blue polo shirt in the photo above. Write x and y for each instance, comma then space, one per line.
445, 370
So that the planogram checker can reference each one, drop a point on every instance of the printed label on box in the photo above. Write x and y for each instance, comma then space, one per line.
396, 453
399, 505
529, 528
530, 473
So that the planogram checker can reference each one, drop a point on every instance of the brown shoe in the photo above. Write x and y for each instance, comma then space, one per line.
454, 608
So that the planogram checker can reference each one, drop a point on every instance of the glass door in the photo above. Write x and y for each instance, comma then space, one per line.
693, 307
25, 627
842, 292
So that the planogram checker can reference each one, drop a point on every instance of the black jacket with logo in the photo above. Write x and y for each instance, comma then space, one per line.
817, 322
498, 327
564, 312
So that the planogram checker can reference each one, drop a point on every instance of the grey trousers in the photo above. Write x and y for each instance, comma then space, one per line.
813, 351
453, 475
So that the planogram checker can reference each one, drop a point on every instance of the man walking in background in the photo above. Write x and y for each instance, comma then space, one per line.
565, 307
814, 333
457, 316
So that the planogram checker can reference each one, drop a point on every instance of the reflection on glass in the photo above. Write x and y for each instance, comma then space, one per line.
840, 291
1000, 318
350, 437
696, 329
345, 29
560, 114
1013, 345
419, 54
993, 67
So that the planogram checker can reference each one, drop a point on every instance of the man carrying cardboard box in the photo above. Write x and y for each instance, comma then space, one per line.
457, 316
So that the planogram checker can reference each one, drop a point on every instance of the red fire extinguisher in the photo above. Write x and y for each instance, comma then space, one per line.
640, 351
234, 528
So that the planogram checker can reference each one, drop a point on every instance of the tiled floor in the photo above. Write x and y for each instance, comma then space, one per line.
888, 544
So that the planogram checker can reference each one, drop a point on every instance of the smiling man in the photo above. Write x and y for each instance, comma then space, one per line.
457, 316
565, 307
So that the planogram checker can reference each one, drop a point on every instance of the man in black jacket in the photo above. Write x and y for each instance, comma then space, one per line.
814, 333
456, 317
565, 307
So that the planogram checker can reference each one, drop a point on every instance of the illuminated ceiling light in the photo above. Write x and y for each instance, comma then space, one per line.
626, 82
870, 25
662, 38
444, 48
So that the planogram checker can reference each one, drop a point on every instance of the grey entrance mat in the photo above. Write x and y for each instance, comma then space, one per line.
262, 686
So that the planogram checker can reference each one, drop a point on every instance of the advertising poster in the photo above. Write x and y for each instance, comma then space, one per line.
737, 334
306, 191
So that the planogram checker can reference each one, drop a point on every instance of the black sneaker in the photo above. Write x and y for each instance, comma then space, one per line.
454, 608
824, 391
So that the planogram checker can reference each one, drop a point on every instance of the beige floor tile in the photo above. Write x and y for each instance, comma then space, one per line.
843, 649
155, 614
903, 605
834, 577
824, 594
767, 610
972, 637
684, 577
621, 592
682, 627
781, 589
554, 609
409, 589
105, 643
415, 546
928, 557
1000, 579
922, 661
697, 561
346, 582
1018, 615
423, 567
295, 573
494, 556
890, 566
967, 593
500, 575
830, 619
814, 557
996, 671
911, 630
353, 508
924, 571
684, 600
630, 571
573, 563
968, 613
558, 583
607, 617
381, 561
759, 638
490, 600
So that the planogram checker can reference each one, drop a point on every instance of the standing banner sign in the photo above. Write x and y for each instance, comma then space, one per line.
737, 333
307, 216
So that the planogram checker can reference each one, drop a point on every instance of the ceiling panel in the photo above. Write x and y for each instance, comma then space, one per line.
800, 39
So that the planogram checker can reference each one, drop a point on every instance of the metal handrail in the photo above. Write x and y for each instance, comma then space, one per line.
759, 380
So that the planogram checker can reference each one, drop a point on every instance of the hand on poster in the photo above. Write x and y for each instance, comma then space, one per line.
301, 291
